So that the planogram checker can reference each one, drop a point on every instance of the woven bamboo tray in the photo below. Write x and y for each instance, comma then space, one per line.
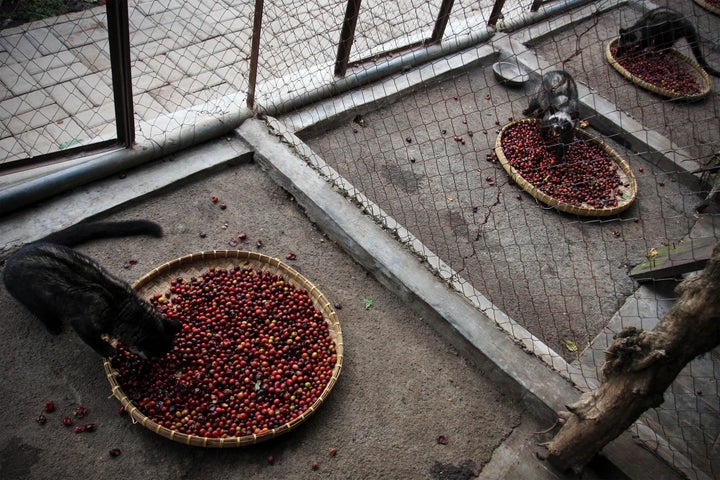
627, 178
689, 63
158, 280
708, 7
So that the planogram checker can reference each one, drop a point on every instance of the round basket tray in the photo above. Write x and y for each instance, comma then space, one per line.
689, 64
627, 179
158, 280
709, 7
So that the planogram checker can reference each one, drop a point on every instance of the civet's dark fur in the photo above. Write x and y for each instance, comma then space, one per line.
555, 102
59, 284
660, 29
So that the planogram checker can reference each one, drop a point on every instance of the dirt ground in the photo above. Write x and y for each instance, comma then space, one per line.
401, 387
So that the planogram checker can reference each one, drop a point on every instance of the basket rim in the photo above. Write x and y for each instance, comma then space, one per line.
557, 204
257, 260
708, 7
701, 73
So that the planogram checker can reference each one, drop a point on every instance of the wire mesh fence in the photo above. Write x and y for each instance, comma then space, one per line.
420, 146
54, 94
427, 161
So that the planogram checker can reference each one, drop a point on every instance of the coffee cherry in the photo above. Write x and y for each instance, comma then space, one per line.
80, 412
315, 465
115, 452
89, 427
41, 419
333, 451
67, 421
49, 407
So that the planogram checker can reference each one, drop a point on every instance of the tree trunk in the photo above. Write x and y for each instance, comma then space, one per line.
639, 367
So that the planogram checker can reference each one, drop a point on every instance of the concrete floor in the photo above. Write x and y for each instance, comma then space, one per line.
537, 389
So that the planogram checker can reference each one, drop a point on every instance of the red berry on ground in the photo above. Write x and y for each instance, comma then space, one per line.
80, 412
67, 421
115, 452
49, 407
223, 206
214, 198
333, 451
270, 459
41, 419
315, 465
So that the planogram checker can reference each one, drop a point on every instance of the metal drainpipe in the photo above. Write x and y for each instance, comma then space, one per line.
26, 193
277, 107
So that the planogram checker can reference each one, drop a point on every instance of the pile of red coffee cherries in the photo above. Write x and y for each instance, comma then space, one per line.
254, 353
659, 69
586, 177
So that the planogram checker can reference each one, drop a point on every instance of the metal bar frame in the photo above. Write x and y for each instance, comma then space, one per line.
441, 22
119, 39
255, 53
496, 13
347, 37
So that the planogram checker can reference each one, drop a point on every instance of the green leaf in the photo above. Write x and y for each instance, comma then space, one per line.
257, 385
368, 303
69, 143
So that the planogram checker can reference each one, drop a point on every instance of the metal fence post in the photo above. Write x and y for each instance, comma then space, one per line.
254, 53
347, 35
119, 38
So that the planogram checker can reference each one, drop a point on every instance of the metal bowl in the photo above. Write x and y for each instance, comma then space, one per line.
511, 73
